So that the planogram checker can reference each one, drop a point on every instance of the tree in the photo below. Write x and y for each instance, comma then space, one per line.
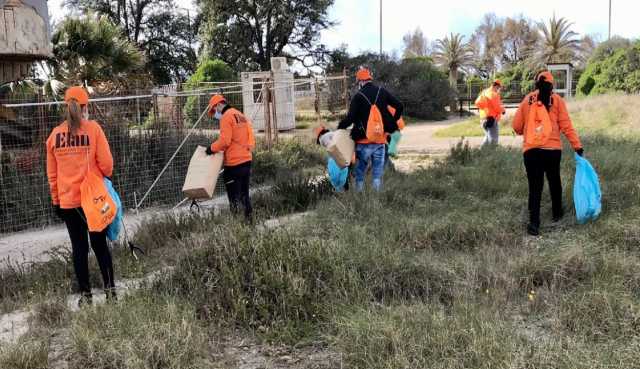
558, 43
586, 48
609, 47
169, 47
519, 39
614, 67
94, 50
165, 36
453, 54
247, 33
487, 45
415, 44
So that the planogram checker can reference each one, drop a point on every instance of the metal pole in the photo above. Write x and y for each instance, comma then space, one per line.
381, 29
609, 19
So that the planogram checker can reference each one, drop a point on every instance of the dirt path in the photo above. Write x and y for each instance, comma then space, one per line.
33, 245
420, 138
15, 324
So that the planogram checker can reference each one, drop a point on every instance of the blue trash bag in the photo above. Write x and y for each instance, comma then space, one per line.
393, 145
586, 191
338, 176
113, 230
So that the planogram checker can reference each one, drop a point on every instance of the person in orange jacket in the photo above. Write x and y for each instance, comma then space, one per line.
490, 106
540, 119
76, 146
236, 141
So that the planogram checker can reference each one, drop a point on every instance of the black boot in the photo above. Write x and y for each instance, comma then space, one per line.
533, 229
558, 216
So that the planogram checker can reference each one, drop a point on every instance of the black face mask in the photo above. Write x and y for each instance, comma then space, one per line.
544, 92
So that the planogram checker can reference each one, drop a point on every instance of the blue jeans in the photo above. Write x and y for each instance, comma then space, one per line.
375, 153
491, 135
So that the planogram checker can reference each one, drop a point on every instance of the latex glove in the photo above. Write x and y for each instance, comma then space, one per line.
580, 151
209, 152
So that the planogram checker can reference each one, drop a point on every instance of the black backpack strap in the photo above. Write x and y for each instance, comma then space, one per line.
377, 94
365, 97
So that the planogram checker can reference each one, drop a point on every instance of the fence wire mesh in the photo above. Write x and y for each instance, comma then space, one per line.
144, 129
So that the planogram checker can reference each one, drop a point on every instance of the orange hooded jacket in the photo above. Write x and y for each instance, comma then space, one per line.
560, 122
236, 138
69, 158
490, 104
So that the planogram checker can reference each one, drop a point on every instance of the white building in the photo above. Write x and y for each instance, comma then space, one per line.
282, 106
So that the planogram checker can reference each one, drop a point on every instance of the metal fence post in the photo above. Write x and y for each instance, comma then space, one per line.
345, 87
267, 113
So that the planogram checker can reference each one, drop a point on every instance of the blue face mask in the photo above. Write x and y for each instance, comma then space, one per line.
217, 115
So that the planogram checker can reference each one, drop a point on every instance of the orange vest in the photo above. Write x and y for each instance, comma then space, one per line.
69, 158
489, 104
235, 139
560, 122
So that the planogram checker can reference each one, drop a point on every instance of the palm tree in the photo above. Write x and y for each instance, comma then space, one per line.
558, 43
453, 54
93, 50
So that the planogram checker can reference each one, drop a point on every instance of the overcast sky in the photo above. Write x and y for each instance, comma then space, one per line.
359, 19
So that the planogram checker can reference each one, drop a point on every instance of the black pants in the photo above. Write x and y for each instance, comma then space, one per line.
80, 236
236, 181
539, 162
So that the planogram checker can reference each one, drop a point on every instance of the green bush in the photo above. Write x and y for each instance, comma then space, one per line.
615, 69
210, 70
420, 86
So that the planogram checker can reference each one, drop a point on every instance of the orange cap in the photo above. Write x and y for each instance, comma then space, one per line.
497, 82
363, 75
77, 93
215, 100
547, 76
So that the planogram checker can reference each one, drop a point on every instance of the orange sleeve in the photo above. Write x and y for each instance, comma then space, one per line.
52, 171
519, 119
104, 159
226, 133
566, 126
481, 101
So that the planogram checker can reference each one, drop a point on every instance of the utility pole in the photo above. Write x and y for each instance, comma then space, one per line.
380, 29
609, 19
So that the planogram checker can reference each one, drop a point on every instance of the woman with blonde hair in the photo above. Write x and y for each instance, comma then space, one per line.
76, 146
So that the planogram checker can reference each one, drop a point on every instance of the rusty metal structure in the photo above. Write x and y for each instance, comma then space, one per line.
25, 35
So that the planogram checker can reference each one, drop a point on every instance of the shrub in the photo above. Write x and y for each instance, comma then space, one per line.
143, 331
425, 336
615, 69
210, 70
418, 84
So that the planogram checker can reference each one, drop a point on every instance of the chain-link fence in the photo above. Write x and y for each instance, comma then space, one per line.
145, 130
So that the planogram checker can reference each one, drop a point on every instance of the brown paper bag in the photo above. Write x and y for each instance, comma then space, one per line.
202, 174
342, 148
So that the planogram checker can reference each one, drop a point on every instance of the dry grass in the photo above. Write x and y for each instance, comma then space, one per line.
436, 271
609, 115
